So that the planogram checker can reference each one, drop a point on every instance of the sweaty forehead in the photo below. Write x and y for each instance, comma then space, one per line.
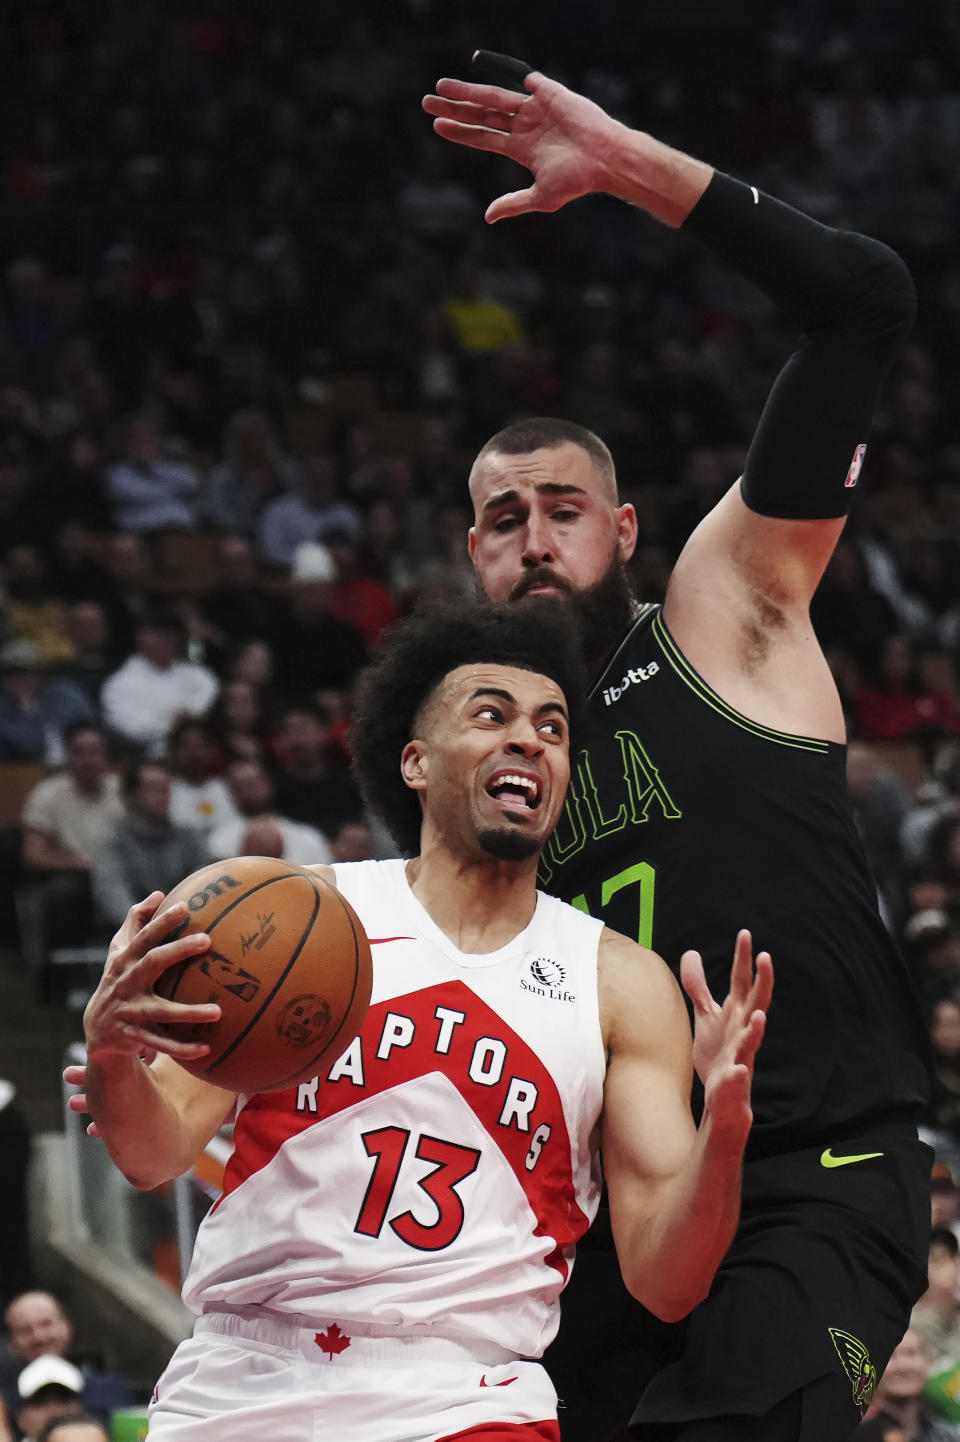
563, 465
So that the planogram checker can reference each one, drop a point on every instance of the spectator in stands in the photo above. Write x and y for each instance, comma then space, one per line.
252, 794
896, 704
65, 820
253, 662
38, 1327
146, 492
899, 1400
353, 841
238, 609
944, 1199
937, 1314
198, 797
313, 508
238, 723
129, 599
47, 1388
74, 1427
34, 610
307, 786
142, 700
255, 470
944, 1106
35, 712
143, 851
358, 597
316, 648
90, 662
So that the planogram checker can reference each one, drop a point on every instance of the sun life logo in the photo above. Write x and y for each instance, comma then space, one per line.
547, 972
548, 977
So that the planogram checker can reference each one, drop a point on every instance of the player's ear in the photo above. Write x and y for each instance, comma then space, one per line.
472, 544
626, 531
414, 764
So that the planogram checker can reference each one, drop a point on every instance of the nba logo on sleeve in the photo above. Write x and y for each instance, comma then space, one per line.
853, 475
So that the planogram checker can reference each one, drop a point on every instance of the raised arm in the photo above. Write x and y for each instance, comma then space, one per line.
155, 1117
674, 1190
739, 597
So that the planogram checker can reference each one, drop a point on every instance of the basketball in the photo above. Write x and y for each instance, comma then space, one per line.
288, 964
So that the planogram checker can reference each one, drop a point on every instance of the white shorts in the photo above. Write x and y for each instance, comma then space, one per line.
255, 1378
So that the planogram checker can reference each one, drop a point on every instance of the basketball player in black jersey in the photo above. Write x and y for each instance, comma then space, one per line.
709, 792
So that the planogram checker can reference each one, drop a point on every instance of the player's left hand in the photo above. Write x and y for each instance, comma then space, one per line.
726, 1038
560, 136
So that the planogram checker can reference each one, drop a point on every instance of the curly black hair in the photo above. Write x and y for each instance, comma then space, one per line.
536, 636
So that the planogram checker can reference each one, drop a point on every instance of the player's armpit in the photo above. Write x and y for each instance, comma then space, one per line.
737, 607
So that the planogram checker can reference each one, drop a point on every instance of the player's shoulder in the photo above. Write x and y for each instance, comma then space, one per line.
635, 982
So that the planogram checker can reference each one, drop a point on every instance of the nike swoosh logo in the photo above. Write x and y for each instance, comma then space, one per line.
827, 1159
379, 940
485, 1383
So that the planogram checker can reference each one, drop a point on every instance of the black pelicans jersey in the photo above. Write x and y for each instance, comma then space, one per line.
686, 821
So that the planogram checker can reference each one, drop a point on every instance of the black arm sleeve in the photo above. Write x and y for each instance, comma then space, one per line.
854, 300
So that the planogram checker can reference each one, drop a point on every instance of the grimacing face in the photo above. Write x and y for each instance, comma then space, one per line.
491, 760
546, 523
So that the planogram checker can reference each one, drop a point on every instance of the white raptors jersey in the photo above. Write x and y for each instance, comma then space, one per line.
437, 1178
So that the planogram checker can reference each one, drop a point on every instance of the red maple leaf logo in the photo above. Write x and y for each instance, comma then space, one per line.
332, 1340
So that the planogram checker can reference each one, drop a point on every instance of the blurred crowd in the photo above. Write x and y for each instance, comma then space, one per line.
253, 328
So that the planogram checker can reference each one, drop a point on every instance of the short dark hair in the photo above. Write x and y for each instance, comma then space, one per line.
538, 433
419, 652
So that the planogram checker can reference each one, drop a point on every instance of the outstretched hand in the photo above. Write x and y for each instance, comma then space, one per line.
726, 1038
561, 137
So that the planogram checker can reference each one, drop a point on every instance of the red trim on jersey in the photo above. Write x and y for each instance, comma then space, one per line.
508, 1432
270, 1118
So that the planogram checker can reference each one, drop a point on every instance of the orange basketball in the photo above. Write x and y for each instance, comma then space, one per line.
288, 964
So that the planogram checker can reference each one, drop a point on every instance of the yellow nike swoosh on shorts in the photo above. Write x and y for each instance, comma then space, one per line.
827, 1159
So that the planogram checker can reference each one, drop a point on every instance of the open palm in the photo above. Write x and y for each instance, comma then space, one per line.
561, 137
726, 1037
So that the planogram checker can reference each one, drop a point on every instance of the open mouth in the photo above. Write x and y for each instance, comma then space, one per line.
515, 791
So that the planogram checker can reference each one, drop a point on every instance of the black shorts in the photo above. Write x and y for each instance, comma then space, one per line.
814, 1294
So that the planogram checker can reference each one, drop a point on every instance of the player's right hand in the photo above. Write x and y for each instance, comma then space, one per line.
125, 1016
557, 134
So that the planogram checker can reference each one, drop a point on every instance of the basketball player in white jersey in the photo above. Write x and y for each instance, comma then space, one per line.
386, 1262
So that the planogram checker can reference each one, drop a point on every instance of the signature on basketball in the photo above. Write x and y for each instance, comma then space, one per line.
257, 940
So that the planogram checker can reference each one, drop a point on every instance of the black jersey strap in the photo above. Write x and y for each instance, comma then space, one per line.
854, 301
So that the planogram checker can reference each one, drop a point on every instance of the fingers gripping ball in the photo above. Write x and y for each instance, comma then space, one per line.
289, 965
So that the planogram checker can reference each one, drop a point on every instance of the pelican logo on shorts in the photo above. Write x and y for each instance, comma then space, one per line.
547, 980
855, 1360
